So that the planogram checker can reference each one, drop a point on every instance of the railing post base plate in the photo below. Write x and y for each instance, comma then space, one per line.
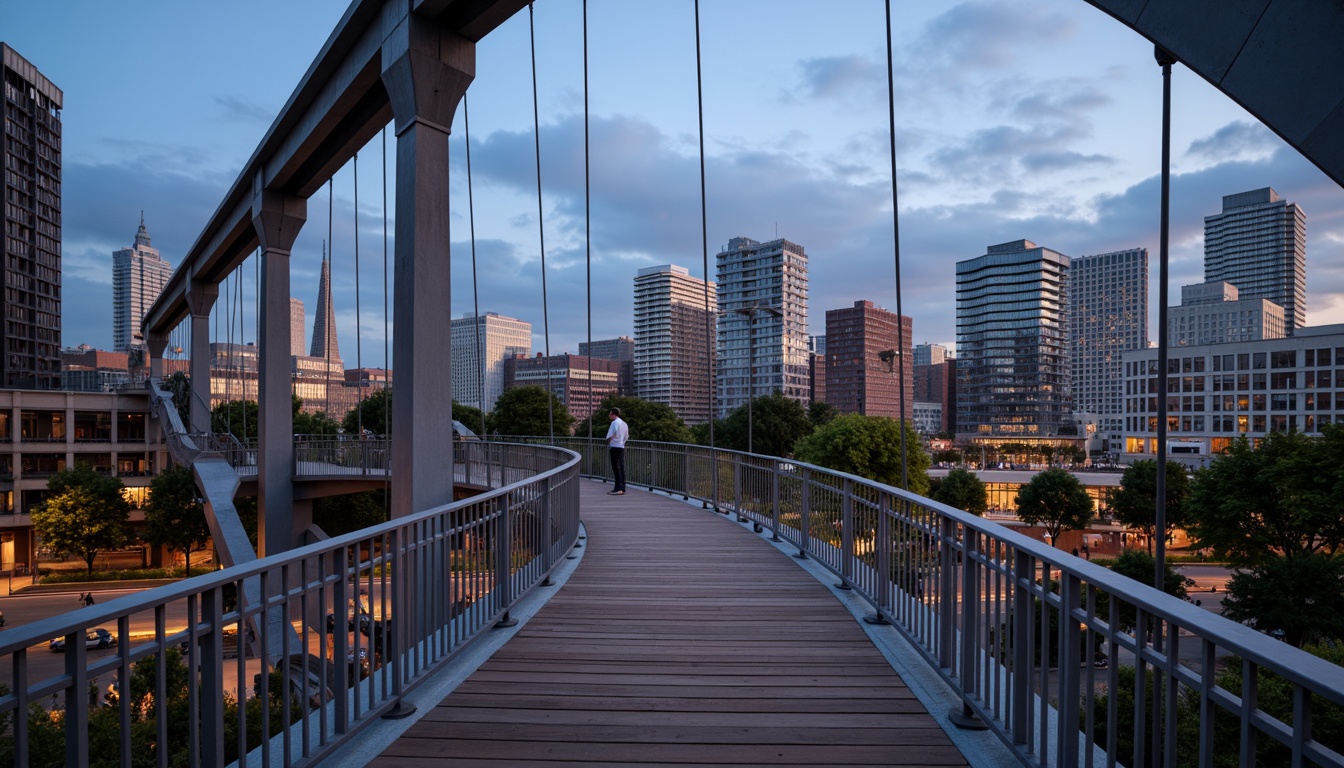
877, 619
399, 710
965, 719
842, 584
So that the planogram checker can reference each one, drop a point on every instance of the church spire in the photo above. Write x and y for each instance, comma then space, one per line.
324, 320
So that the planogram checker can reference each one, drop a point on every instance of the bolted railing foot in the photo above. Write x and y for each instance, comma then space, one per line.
399, 710
505, 621
775, 537
757, 528
876, 618
720, 511
547, 582
966, 720
800, 554
843, 584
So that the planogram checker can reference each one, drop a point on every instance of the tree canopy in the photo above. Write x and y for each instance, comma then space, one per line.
1134, 502
1280, 497
235, 417
85, 514
963, 490
778, 423
174, 515
1055, 500
373, 413
1300, 598
471, 417
317, 423
647, 420
867, 446
521, 411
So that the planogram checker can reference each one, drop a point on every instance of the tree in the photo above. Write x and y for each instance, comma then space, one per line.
647, 420
1281, 497
522, 411
963, 490
179, 386
235, 417
778, 423
350, 512
174, 515
318, 423
1056, 500
85, 513
1134, 503
472, 418
820, 413
1301, 597
867, 446
374, 414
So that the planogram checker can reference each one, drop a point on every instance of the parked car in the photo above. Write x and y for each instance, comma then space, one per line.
93, 638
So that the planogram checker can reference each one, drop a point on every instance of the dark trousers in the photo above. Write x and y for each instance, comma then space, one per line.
618, 468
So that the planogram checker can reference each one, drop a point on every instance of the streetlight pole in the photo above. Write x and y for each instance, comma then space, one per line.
750, 314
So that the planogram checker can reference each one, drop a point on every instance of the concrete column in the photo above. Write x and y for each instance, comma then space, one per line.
157, 344
200, 300
277, 219
426, 69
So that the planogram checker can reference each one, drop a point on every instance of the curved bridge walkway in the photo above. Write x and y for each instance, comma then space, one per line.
680, 640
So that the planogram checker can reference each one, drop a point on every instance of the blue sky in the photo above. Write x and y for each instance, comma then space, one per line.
1035, 120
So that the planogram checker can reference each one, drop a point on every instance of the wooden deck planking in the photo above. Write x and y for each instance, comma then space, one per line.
679, 641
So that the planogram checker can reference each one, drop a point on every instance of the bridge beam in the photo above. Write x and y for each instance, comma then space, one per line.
426, 70
277, 219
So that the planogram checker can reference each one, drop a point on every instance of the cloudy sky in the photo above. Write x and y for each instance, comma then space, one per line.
1037, 120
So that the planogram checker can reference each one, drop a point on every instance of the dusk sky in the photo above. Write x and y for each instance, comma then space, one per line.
1037, 120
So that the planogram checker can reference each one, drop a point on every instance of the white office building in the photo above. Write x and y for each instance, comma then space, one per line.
1108, 316
675, 340
1259, 244
763, 341
1214, 313
478, 377
1219, 392
138, 277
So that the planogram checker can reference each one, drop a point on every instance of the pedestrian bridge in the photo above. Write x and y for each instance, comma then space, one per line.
687, 631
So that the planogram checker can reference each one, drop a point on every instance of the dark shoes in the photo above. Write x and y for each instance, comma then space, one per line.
615, 493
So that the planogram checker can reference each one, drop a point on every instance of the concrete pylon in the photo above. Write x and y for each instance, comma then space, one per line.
200, 300
277, 219
426, 70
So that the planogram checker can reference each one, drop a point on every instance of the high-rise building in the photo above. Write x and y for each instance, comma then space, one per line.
499, 338
1259, 244
937, 383
297, 330
816, 368
325, 343
762, 345
1215, 313
1013, 373
138, 277
1108, 315
674, 354
30, 338
930, 354
620, 349
864, 347
579, 386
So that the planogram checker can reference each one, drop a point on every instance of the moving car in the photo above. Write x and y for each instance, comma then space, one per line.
93, 638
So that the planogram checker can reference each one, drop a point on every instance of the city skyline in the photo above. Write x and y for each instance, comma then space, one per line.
996, 144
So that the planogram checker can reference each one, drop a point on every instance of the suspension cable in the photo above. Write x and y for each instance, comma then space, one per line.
327, 333
588, 222
475, 295
242, 342
359, 350
704, 245
541, 226
896, 250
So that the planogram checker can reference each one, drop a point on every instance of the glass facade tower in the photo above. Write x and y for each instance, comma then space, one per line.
1013, 371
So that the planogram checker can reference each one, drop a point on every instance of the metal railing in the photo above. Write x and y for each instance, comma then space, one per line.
364, 617
1068, 662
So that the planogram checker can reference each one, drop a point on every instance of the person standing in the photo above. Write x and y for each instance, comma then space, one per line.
617, 434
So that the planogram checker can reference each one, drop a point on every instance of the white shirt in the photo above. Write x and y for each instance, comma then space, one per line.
617, 433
